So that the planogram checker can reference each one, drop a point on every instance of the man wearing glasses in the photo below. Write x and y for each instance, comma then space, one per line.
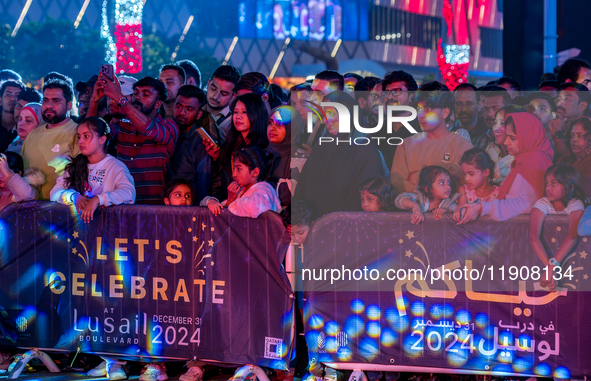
397, 87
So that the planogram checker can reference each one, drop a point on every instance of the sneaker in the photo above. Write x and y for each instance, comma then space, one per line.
194, 373
153, 372
116, 372
99, 371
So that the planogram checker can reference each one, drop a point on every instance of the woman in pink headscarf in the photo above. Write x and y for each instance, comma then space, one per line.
527, 141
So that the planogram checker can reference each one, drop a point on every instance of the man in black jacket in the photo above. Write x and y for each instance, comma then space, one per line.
190, 161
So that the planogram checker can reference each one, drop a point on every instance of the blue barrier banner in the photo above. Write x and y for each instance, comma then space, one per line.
146, 281
382, 293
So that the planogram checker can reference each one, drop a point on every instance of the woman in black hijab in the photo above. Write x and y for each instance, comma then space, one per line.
283, 131
333, 173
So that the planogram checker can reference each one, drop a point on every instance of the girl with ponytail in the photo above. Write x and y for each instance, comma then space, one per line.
249, 195
93, 177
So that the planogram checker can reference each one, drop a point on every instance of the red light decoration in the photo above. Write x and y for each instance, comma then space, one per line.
448, 16
453, 69
129, 48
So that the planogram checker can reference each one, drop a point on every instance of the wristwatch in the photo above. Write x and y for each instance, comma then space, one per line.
559, 135
123, 102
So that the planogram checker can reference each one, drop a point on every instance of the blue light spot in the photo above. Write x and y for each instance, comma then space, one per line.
344, 354
463, 317
401, 325
482, 320
357, 306
388, 337
448, 310
368, 349
562, 372
522, 364
331, 345
392, 315
542, 370
436, 311
418, 308
354, 326
374, 312
331, 328
316, 321
373, 329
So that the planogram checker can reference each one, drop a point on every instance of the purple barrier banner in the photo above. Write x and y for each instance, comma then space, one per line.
146, 281
382, 293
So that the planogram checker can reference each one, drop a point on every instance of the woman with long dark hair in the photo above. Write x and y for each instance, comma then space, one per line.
248, 128
93, 177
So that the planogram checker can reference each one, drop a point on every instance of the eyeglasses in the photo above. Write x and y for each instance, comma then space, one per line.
392, 93
578, 136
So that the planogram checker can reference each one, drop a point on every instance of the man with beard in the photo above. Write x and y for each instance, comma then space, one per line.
495, 97
49, 146
220, 92
190, 160
573, 99
542, 106
8, 93
437, 145
145, 140
397, 90
173, 77
466, 108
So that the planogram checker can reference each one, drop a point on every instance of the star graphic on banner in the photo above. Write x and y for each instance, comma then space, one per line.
194, 239
408, 253
74, 251
410, 234
203, 226
583, 254
585, 277
210, 242
75, 235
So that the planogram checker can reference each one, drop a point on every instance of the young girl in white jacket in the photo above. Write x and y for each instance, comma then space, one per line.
249, 195
94, 177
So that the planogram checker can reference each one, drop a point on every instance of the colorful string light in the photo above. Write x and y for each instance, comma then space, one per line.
128, 33
110, 48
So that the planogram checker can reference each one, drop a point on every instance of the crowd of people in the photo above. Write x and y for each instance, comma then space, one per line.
244, 144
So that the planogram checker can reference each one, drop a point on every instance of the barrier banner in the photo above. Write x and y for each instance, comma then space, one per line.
146, 281
381, 291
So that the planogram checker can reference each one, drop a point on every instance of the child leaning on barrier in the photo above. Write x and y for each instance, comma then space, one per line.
478, 169
249, 195
13, 187
376, 195
435, 191
93, 177
564, 192
178, 192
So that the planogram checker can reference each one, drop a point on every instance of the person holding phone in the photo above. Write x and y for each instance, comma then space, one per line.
145, 141
190, 160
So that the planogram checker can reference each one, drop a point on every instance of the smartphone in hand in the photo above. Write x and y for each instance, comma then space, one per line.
205, 136
108, 71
